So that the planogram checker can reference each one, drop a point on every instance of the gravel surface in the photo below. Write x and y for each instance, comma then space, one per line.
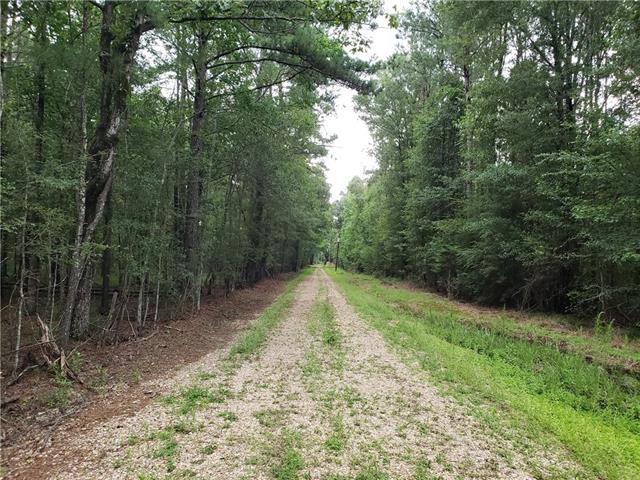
303, 409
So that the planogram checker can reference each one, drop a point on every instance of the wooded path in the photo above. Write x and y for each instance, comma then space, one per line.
324, 398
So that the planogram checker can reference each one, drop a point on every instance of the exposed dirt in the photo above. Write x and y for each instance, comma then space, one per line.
119, 380
301, 408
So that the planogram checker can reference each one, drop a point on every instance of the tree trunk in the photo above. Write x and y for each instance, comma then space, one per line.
116, 62
83, 306
53, 293
194, 182
155, 313
23, 268
106, 259
256, 261
139, 318
33, 280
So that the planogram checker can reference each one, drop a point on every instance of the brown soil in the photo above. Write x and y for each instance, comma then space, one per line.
115, 377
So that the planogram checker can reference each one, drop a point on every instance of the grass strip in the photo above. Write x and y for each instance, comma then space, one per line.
255, 336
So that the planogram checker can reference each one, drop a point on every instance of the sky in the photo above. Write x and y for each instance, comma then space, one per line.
350, 154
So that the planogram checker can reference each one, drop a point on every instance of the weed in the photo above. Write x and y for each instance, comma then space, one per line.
288, 459
351, 396
185, 427
184, 474
136, 375
75, 361
603, 329
167, 450
270, 417
371, 473
338, 438
423, 471
228, 416
311, 365
146, 476
60, 396
195, 397
204, 376
209, 449
444, 463
100, 380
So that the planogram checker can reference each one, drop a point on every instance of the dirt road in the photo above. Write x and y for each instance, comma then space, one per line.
324, 398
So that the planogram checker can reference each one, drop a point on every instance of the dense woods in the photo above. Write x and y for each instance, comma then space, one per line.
509, 150
166, 182
154, 151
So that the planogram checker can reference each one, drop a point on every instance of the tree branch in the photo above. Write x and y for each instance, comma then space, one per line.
237, 18
96, 4
259, 60
247, 47
266, 85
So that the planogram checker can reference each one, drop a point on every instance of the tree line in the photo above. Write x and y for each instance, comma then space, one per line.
508, 145
154, 151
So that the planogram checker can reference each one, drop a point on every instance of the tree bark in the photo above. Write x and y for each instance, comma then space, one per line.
83, 306
116, 62
256, 262
139, 317
106, 259
33, 280
21, 302
194, 182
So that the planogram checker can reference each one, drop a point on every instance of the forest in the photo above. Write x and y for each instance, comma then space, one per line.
183, 294
508, 145
153, 151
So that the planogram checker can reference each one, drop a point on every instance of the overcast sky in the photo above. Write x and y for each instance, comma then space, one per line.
350, 154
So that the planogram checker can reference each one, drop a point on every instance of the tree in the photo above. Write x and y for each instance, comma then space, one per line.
178, 142
495, 184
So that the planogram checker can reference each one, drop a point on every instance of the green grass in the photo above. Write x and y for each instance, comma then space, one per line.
613, 348
209, 449
271, 417
168, 448
190, 399
322, 323
257, 333
288, 459
536, 385
311, 366
337, 440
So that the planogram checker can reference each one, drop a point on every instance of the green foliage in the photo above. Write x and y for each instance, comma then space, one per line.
196, 397
75, 361
60, 396
506, 176
337, 440
218, 203
288, 459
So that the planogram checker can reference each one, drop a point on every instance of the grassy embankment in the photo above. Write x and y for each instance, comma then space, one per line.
543, 379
